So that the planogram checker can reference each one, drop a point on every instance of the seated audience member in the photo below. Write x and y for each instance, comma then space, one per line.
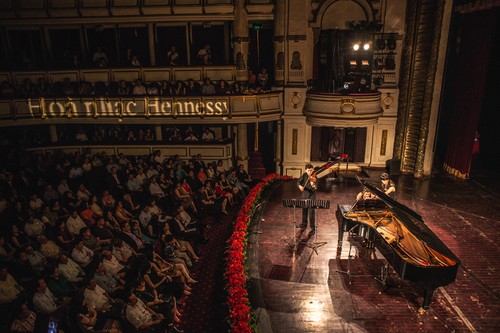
99, 58
139, 89
131, 239
191, 137
208, 87
184, 197
243, 188
59, 285
81, 254
207, 135
22, 269
37, 260
166, 89
179, 89
125, 254
7, 251
71, 270
94, 321
107, 281
63, 237
225, 186
10, 290
142, 317
48, 248
172, 56
123, 88
252, 81
236, 89
18, 239
204, 55
134, 61
210, 199
89, 240
157, 302
87, 215
95, 297
243, 176
74, 223
33, 227
45, 302
223, 88
103, 234
25, 320
113, 265
193, 88
263, 79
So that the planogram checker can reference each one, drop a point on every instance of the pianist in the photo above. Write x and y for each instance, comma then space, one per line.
365, 195
388, 185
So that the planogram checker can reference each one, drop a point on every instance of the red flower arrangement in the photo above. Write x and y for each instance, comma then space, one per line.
240, 312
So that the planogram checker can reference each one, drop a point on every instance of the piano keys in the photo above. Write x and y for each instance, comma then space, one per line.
402, 237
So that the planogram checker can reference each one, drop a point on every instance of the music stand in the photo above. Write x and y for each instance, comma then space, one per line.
292, 241
316, 204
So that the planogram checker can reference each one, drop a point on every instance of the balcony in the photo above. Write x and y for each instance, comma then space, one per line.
337, 110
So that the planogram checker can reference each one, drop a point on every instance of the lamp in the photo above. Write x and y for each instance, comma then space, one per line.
355, 47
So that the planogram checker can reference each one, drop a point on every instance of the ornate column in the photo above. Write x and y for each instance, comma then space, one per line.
279, 42
53, 133
277, 148
240, 40
151, 38
158, 133
242, 145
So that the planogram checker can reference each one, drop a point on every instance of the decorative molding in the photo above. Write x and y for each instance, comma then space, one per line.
240, 40
296, 38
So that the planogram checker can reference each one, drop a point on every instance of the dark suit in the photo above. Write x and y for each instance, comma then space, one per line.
308, 193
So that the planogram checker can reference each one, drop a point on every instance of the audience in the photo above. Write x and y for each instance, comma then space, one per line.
102, 254
256, 84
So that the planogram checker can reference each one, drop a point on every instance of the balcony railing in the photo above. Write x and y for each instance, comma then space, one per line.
334, 109
181, 109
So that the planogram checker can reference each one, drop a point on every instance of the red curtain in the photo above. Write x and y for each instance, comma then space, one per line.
472, 65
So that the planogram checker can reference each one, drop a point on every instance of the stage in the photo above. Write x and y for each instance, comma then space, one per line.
301, 291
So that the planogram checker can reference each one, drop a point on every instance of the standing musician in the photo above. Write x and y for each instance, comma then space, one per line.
308, 185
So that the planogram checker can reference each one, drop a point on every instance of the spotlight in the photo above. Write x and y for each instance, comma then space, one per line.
356, 46
366, 46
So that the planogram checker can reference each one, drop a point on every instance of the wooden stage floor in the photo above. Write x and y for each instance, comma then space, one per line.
301, 291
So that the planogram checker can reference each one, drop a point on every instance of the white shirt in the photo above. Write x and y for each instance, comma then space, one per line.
138, 315
123, 253
112, 265
44, 302
95, 298
33, 229
83, 257
74, 225
71, 271
156, 190
144, 218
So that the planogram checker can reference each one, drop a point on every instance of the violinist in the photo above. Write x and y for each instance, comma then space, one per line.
308, 185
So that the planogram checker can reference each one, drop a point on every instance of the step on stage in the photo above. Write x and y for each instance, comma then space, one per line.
299, 288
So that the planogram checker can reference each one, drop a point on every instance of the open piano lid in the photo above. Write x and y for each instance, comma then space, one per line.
413, 222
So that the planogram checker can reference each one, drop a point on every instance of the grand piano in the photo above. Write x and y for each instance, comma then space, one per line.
402, 237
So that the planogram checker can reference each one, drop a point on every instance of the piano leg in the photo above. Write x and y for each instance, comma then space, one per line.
427, 300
